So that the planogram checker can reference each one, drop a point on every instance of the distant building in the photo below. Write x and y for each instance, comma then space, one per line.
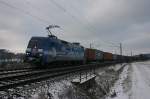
7, 56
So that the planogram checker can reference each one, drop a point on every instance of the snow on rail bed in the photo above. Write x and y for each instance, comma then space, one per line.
133, 83
62, 88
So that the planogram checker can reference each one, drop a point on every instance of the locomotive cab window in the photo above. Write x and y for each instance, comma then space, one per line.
33, 43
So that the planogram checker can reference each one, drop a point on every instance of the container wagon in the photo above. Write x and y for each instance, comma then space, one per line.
107, 56
92, 55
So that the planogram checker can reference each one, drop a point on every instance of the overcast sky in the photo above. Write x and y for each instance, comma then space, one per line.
103, 23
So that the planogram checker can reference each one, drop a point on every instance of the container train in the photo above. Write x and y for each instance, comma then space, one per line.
49, 50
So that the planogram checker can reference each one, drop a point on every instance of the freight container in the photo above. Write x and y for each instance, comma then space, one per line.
90, 54
93, 54
119, 57
99, 55
108, 56
114, 57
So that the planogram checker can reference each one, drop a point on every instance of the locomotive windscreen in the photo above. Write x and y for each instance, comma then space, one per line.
36, 43
33, 43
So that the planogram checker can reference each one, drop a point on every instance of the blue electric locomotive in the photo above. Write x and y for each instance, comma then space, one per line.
45, 50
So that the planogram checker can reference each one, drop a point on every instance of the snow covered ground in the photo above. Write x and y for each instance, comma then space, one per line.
62, 88
134, 82
131, 83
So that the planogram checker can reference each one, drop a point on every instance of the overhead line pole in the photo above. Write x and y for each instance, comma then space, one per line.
25, 12
131, 53
121, 49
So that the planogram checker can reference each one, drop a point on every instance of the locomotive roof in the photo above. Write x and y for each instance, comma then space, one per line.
38, 37
55, 38
45, 38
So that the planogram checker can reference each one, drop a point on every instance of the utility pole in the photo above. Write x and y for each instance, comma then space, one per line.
131, 53
121, 49
90, 45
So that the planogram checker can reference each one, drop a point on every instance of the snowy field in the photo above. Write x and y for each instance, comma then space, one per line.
134, 82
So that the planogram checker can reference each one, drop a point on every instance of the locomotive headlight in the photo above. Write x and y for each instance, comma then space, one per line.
40, 54
40, 50
27, 53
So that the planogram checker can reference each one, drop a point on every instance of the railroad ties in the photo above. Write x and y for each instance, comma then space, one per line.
10, 79
14, 78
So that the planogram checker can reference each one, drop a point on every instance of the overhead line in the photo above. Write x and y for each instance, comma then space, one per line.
40, 19
95, 28
75, 18
37, 8
66, 11
24, 12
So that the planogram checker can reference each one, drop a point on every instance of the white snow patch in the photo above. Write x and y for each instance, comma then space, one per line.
56, 87
118, 87
117, 67
141, 81
83, 79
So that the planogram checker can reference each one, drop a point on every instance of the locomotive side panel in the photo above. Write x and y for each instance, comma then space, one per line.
70, 52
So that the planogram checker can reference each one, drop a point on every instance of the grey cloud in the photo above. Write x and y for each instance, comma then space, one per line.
85, 21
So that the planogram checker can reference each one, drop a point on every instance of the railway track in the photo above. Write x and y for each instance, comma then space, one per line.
13, 71
12, 79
